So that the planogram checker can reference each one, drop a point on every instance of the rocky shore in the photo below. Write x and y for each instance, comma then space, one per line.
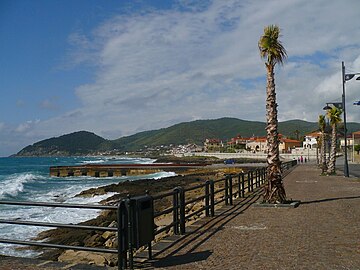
93, 238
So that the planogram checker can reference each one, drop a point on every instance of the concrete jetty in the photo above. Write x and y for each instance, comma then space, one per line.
117, 170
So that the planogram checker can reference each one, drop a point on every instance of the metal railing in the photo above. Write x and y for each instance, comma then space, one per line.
212, 193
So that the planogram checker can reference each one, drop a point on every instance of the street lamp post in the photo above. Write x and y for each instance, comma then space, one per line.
341, 105
346, 77
346, 165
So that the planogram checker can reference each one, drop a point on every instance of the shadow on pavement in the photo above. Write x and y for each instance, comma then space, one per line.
183, 259
331, 199
200, 235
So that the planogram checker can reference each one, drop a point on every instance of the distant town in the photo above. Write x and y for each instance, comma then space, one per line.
250, 146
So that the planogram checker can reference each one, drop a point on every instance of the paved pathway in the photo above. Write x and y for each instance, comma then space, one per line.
322, 233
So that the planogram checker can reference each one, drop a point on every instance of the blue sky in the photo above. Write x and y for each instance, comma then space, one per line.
119, 67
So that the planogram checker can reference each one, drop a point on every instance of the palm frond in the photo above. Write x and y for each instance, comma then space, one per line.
322, 123
334, 115
270, 47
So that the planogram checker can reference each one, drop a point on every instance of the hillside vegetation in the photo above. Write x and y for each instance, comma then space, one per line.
77, 143
83, 142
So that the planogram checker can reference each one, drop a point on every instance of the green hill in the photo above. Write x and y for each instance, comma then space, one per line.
77, 143
198, 131
80, 143
192, 132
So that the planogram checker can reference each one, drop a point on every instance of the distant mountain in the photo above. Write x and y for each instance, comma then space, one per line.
77, 143
80, 143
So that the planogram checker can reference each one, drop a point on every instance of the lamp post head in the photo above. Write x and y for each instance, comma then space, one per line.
338, 105
349, 76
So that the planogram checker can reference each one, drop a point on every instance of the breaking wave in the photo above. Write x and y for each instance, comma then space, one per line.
13, 184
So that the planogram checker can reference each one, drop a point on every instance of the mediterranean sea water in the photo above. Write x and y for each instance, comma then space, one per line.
28, 179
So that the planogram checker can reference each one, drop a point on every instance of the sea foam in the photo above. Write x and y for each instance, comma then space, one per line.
13, 184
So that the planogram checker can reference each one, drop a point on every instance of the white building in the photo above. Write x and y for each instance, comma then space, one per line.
311, 140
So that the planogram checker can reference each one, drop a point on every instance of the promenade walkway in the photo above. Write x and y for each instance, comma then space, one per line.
322, 233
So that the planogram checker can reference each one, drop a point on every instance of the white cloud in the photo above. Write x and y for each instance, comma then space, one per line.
157, 68
27, 126
171, 62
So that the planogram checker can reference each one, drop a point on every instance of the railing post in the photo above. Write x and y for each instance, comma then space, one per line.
149, 244
249, 181
242, 185
130, 232
230, 189
207, 198
239, 185
256, 178
182, 209
176, 210
252, 180
212, 198
265, 175
122, 234
260, 177
226, 191
264, 180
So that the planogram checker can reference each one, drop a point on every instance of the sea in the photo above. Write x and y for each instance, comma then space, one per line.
28, 179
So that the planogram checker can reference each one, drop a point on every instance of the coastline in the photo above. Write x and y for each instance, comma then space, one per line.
107, 218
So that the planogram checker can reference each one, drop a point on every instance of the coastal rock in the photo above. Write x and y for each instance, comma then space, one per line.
83, 257
111, 242
106, 235
113, 224
93, 240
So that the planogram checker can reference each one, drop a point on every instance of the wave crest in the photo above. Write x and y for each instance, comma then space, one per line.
13, 184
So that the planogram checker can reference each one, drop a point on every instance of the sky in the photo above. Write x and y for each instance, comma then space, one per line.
116, 68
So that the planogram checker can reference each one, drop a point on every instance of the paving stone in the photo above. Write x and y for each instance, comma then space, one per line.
322, 233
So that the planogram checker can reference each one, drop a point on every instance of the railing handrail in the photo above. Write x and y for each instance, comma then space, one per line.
56, 225
62, 205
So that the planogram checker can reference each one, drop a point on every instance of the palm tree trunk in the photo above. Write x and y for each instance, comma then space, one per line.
274, 190
317, 151
323, 153
320, 151
331, 168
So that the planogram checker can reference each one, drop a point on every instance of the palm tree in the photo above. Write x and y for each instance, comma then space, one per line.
273, 52
334, 116
297, 133
322, 126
